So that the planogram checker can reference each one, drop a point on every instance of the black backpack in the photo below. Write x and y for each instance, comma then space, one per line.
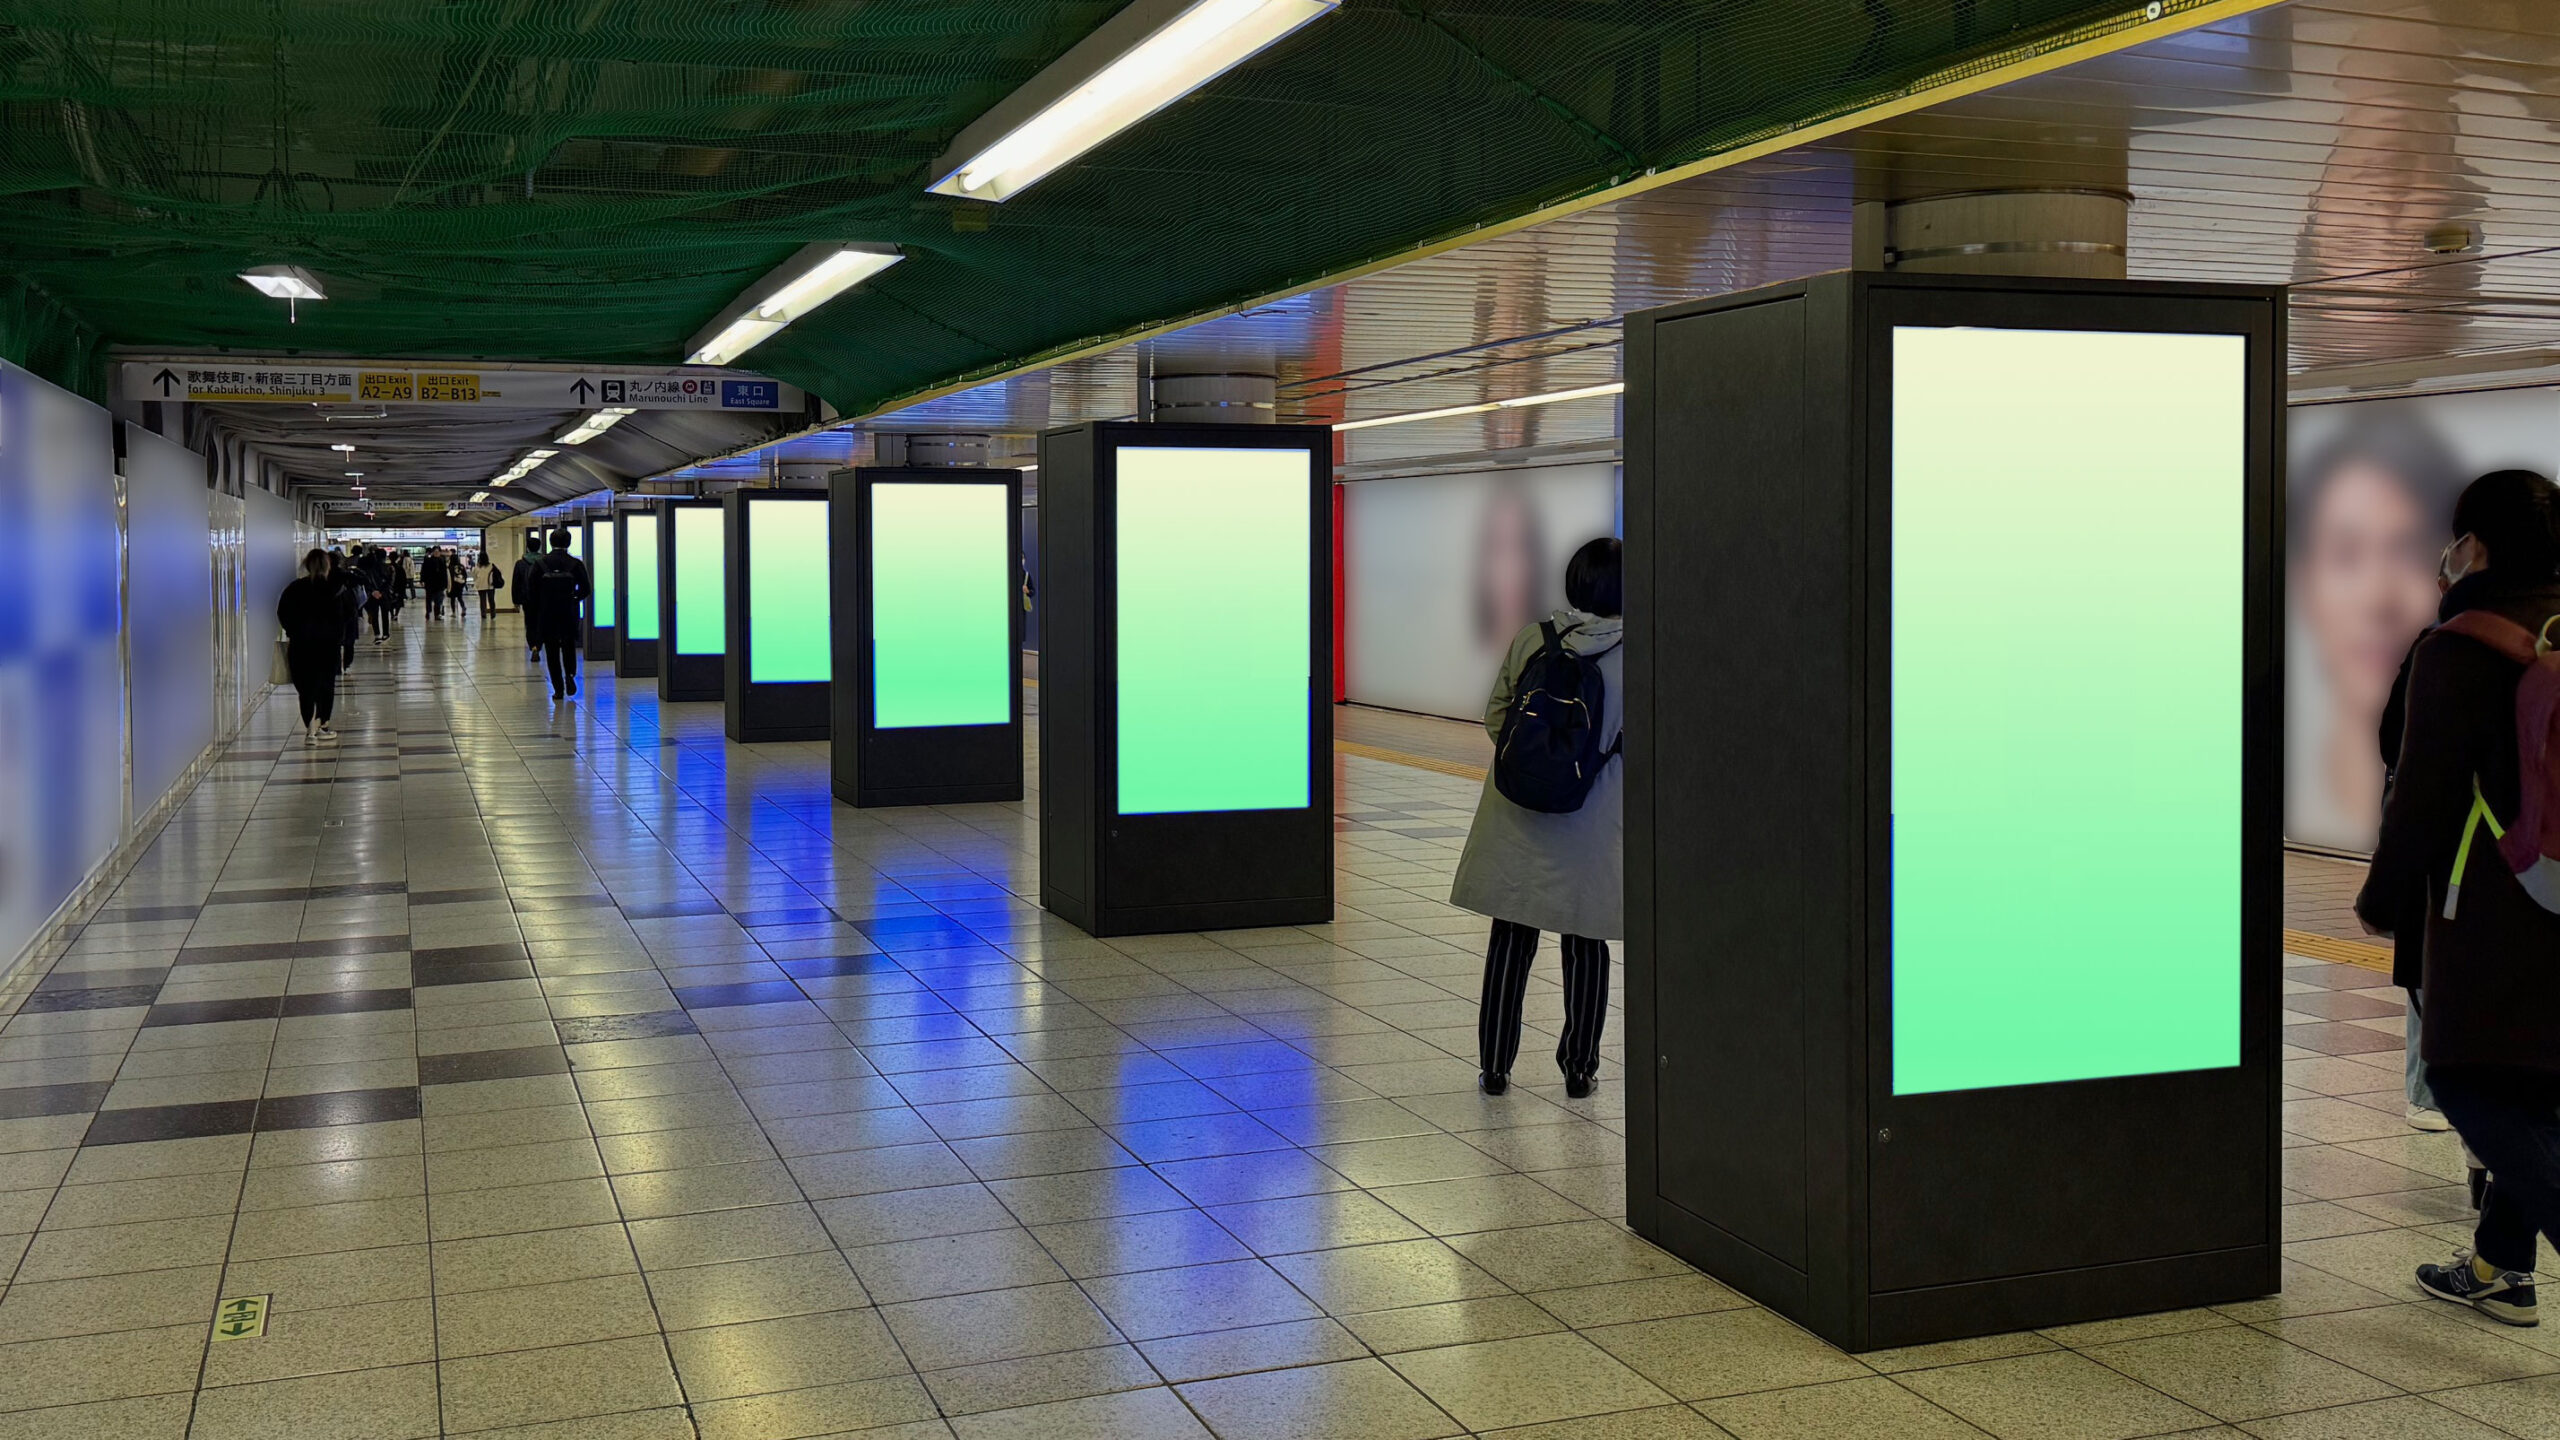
1548, 753
558, 582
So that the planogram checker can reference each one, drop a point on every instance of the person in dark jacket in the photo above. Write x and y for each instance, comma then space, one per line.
2489, 1029
432, 574
376, 573
561, 588
351, 593
527, 567
312, 612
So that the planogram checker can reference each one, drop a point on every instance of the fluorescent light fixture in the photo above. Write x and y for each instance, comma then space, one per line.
814, 275
1587, 392
480, 498
596, 424
355, 474
531, 462
284, 282
1150, 54
343, 448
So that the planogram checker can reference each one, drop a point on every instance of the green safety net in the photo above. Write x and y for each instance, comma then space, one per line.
591, 180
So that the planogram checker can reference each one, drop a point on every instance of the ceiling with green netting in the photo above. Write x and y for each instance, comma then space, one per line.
592, 180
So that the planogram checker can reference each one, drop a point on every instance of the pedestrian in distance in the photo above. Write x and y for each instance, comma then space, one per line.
432, 575
486, 579
2465, 851
313, 615
458, 576
375, 567
1546, 849
561, 613
529, 566
351, 596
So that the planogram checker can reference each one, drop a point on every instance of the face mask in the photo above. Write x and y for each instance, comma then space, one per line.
2445, 573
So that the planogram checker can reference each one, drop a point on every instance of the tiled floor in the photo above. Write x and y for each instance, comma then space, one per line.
576, 1074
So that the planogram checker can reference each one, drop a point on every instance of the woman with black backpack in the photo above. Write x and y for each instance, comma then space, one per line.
1546, 850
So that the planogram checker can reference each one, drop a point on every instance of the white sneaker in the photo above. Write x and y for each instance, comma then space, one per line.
2432, 1121
310, 738
324, 733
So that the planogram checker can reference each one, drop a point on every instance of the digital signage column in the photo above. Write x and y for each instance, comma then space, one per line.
636, 646
693, 600
1186, 671
1977, 816
603, 579
779, 660
928, 635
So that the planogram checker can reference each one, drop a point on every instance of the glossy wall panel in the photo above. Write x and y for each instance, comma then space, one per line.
169, 598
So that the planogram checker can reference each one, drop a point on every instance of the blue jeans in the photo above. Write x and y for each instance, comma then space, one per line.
2419, 1094
2511, 1120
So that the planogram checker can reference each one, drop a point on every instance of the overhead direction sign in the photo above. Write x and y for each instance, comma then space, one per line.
357, 382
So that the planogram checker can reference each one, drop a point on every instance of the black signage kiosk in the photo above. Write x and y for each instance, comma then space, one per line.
693, 600
636, 644
1953, 792
604, 575
779, 657
1186, 619
928, 635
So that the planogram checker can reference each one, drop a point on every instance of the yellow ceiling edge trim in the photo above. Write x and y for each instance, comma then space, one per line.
1918, 98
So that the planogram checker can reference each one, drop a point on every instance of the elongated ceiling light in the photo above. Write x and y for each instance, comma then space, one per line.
814, 275
595, 425
289, 283
1587, 392
531, 462
1150, 54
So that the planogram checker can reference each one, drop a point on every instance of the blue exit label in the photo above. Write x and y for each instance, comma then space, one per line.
750, 395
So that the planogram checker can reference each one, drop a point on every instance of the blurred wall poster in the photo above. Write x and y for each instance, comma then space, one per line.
2369, 501
1442, 570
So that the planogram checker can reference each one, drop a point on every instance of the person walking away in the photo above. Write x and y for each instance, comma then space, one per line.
486, 579
528, 567
2468, 810
403, 579
311, 613
376, 570
563, 587
351, 595
458, 573
1545, 851
432, 575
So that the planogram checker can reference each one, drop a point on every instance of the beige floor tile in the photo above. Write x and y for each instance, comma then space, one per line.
1726, 1353
83, 1368
148, 1159
1407, 1160
2407, 1418
389, 1404
335, 1279
765, 1289
998, 1325
518, 1209
1668, 1422
1351, 1400
1841, 1410
154, 1417
1039, 1379
2059, 1396
525, 1317
1133, 1415
1152, 1304
1377, 1277
114, 1249
322, 1342
1322, 1221
1483, 1202
1455, 1322
2238, 1374
2418, 1346
1121, 1244
2310, 1291
317, 1229
2527, 1408
953, 1265
711, 1239
712, 1187
725, 1361
1956, 1352
333, 1182
446, 1133
336, 1142
1526, 1381
495, 1262
101, 1304
522, 1387
863, 1405
1255, 1347
1625, 1301
668, 1423
1548, 1256
494, 1166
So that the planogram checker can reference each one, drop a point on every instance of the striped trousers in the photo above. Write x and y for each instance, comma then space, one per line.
1506, 980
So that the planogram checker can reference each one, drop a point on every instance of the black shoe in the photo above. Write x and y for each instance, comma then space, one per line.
1492, 1084
2507, 1299
1580, 1086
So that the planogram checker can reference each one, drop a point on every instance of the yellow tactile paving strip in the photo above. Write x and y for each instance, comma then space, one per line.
1399, 757
2345, 952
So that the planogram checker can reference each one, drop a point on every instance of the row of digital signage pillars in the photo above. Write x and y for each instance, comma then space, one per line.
1951, 844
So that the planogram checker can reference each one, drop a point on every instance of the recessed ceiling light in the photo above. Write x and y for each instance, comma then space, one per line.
355, 474
814, 275
1145, 57
289, 283
596, 424
343, 448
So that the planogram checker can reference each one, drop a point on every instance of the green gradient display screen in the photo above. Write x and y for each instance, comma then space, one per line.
600, 574
942, 599
702, 580
640, 557
2069, 548
1213, 605
788, 632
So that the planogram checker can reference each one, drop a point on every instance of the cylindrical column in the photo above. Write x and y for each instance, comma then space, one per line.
932, 452
1219, 398
2061, 234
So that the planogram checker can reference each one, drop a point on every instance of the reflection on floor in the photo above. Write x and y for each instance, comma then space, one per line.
579, 1071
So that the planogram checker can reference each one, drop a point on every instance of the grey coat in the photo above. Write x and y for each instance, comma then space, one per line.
1556, 872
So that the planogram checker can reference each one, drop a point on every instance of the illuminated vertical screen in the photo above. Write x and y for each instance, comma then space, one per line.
787, 591
600, 573
640, 608
1213, 608
2068, 561
702, 581
942, 598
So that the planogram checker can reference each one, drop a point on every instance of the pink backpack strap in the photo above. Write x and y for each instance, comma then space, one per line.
2495, 631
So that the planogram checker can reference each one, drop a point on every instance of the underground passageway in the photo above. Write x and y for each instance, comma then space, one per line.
529, 1063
